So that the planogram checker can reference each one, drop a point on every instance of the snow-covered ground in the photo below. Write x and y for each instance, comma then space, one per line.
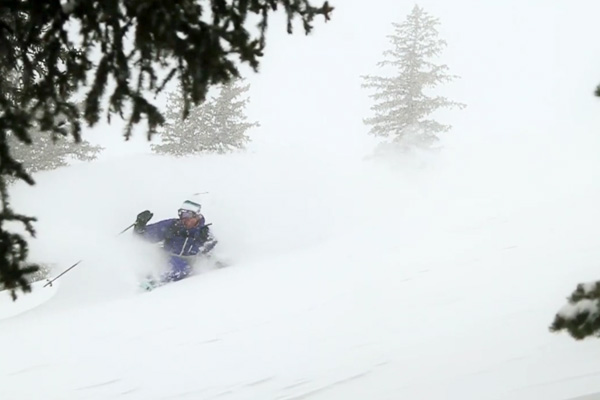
434, 277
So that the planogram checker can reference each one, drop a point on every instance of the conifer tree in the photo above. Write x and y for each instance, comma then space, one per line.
46, 152
230, 119
218, 125
55, 48
580, 317
403, 104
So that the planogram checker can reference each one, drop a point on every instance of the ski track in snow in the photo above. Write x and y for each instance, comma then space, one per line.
324, 387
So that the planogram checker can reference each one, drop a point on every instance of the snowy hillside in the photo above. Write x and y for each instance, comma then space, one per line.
435, 277
347, 281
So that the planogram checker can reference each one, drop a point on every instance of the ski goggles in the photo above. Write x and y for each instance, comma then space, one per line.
187, 214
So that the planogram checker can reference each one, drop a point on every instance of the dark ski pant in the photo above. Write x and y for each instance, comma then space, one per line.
179, 268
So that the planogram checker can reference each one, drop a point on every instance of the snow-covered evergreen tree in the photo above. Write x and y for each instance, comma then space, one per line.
219, 125
47, 152
402, 106
580, 317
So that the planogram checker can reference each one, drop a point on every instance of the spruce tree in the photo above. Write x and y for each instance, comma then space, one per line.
230, 119
46, 152
218, 125
580, 317
52, 49
403, 105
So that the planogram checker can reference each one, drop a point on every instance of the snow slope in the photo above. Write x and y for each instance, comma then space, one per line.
433, 277
357, 280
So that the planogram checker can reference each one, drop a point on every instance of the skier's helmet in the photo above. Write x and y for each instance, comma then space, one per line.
189, 209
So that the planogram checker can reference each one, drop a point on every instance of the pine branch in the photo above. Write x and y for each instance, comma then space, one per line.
40, 68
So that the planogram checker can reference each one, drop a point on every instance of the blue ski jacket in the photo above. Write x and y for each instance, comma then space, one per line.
178, 240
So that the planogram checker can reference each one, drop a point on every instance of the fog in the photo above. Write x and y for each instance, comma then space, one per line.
433, 275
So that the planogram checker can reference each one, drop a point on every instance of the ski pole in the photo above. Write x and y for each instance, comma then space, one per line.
49, 283
126, 229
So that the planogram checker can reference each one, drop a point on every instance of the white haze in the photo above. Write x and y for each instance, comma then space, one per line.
434, 277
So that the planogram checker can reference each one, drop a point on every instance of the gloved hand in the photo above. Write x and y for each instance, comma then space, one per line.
208, 246
204, 233
141, 220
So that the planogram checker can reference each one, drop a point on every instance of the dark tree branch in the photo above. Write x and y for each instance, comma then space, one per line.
41, 67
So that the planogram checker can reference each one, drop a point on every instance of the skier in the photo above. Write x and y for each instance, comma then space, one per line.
183, 238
